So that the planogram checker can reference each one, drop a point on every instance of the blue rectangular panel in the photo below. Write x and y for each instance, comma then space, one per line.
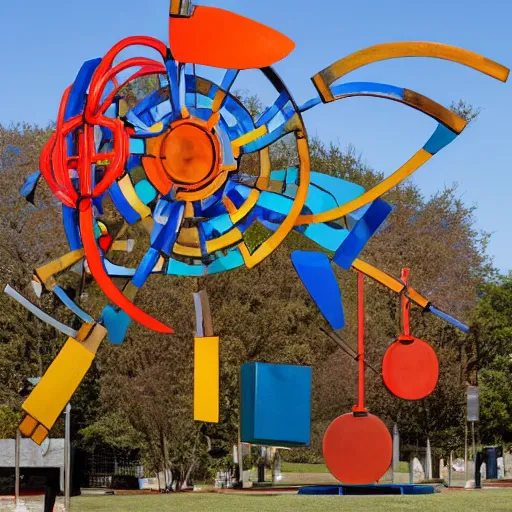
275, 404
358, 237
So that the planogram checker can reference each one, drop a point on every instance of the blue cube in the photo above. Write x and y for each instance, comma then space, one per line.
275, 405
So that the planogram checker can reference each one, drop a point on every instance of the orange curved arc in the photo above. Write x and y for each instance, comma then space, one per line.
325, 78
93, 257
219, 38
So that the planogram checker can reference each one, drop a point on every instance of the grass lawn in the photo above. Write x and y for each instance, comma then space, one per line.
453, 501
292, 467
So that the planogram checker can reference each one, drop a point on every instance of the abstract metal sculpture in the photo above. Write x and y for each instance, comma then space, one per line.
202, 215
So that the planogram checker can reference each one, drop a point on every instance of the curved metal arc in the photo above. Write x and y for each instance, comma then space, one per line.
450, 125
325, 78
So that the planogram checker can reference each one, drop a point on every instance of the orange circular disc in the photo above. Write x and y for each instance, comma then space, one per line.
189, 154
410, 369
358, 449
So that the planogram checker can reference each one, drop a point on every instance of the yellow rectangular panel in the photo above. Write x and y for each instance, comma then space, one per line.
40, 435
206, 379
28, 425
58, 384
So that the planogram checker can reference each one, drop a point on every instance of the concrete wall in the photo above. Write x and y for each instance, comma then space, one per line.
34, 456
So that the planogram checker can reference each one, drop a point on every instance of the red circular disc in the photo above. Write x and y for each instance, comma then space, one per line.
358, 449
410, 369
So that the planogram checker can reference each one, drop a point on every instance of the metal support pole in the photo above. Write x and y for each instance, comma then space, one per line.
450, 465
17, 465
474, 447
466, 451
67, 460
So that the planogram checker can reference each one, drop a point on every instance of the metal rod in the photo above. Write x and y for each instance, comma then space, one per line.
466, 451
474, 446
67, 460
405, 304
360, 340
17, 466
347, 348
450, 465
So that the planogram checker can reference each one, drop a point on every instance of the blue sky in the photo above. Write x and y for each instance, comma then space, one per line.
46, 42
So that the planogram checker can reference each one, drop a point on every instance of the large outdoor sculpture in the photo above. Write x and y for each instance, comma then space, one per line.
202, 215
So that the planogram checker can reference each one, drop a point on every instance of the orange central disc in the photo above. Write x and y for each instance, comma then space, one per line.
188, 154
357, 450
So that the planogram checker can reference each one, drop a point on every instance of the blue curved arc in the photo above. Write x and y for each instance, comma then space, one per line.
71, 305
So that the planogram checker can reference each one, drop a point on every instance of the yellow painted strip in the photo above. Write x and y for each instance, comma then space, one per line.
420, 158
227, 240
232, 167
120, 246
214, 119
189, 211
250, 137
386, 51
389, 282
378, 275
287, 225
27, 426
58, 384
40, 435
175, 7
237, 215
218, 100
157, 128
206, 379
189, 252
189, 237
126, 186
59, 265
265, 169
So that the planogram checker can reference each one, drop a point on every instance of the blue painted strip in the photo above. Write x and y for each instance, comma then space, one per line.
274, 109
275, 202
232, 260
221, 224
116, 270
137, 146
368, 89
229, 79
116, 322
325, 236
177, 268
164, 236
172, 73
29, 187
146, 266
310, 104
440, 139
355, 242
77, 96
145, 191
447, 318
123, 206
79, 312
70, 220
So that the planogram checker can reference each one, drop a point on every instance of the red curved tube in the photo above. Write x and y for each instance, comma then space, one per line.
98, 87
145, 71
94, 260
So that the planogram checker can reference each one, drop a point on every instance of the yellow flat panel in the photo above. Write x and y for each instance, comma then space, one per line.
27, 426
126, 186
189, 237
417, 298
189, 252
40, 435
56, 266
420, 158
58, 384
265, 168
224, 241
250, 137
328, 76
206, 379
